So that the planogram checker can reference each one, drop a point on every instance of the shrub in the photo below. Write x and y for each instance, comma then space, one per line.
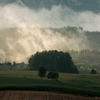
93, 71
42, 72
53, 75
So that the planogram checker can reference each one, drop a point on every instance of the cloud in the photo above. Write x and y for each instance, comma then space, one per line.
20, 43
22, 35
14, 15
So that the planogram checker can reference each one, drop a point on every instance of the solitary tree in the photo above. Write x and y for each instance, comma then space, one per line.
93, 71
42, 72
50, 74
53, 75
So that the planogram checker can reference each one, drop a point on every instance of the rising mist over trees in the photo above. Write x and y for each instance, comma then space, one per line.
13, 48
17, 44
86, 60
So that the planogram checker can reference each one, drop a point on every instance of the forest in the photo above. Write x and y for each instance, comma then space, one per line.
85, 60
53, 61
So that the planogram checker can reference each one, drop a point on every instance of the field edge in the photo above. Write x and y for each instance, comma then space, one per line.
51, 88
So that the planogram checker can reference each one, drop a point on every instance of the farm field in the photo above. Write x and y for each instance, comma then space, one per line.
68, 83
76, 79
33, 95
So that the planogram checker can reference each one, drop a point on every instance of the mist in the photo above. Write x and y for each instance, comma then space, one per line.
19, 15
25, 31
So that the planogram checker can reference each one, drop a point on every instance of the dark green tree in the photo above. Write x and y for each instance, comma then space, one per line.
42, 72
53, 75
53, 61
14, 63
50, 74
93, 71
8, 63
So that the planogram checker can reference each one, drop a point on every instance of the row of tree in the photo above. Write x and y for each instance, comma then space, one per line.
8, 63
85, 61
53, 75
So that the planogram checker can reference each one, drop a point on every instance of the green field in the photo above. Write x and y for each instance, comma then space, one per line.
69, 83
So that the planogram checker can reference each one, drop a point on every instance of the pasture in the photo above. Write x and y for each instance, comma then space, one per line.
68, 83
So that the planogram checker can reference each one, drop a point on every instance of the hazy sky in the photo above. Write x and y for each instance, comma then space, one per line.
50, 13
18, 44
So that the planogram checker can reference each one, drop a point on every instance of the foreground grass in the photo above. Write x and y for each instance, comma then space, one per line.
68, 83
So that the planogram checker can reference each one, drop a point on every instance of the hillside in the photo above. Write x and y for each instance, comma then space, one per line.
18, 44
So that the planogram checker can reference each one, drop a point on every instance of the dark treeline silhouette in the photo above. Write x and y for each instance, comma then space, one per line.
84, 60
8, 63
53, 61
9, 66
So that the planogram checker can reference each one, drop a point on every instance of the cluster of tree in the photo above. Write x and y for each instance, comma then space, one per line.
53, 61
86, 60
50, 75
6, 63
12, 66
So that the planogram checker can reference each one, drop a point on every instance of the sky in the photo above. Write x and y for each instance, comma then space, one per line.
50, 13
20, 20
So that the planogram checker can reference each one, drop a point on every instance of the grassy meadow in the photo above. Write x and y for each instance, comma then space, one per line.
70, 83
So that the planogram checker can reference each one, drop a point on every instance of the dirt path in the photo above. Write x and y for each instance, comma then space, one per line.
33, 95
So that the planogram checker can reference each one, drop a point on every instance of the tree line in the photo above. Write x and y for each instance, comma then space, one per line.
68, 62
86, 60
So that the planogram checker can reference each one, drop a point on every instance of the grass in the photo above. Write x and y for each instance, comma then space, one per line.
81, 79
68, 83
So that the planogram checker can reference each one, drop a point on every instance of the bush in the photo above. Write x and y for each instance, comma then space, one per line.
93, 71
42, 72
53, 75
